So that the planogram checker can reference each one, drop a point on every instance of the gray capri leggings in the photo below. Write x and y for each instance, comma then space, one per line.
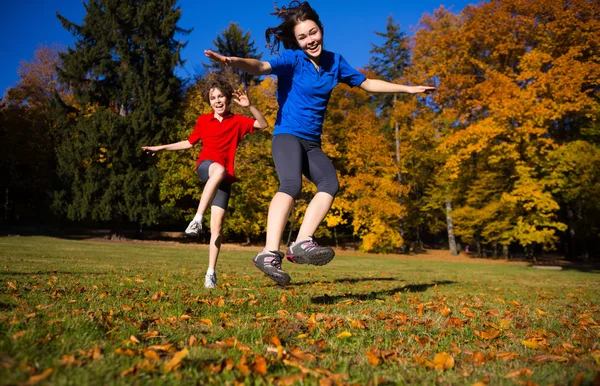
223, 192
295, 156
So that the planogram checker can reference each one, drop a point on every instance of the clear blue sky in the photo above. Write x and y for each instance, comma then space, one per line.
349, 26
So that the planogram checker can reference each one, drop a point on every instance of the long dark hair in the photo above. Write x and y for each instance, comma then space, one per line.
284, 32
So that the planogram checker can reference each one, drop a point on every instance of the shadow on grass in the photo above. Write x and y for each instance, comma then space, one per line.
18, 273
349, 280
374, 295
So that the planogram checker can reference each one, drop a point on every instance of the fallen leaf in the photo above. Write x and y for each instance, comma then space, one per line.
40, 377
134, 339
150, 334
526, 371
344, 334
531, 344
443, 361
372, 358
260, 365
176, 360
208, 322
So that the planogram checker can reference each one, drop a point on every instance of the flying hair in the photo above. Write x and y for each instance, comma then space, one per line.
295, 13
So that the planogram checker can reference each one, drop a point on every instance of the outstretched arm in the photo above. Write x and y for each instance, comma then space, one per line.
381, 86
241, 98
251, 66
172, 146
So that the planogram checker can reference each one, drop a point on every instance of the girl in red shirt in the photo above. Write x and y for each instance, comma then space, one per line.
220, 133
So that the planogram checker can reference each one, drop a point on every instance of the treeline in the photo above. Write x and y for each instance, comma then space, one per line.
503, 158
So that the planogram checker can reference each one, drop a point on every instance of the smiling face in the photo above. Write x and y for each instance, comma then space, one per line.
218, 101
310, 38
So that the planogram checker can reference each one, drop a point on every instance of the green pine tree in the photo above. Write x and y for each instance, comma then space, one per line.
234, 42
121, 72
388, 62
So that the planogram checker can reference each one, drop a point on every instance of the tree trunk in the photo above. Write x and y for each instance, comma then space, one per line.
451, 239
400, 200
505, 251
335, 237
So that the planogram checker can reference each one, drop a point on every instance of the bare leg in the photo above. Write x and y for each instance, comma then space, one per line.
315, 213
279, 210
216, 174
217, 215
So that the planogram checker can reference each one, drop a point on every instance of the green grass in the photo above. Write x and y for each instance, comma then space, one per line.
73, 308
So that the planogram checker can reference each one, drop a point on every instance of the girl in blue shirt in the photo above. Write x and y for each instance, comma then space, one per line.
306, 75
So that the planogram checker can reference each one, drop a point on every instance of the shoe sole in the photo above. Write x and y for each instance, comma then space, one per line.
319, 258
275, 276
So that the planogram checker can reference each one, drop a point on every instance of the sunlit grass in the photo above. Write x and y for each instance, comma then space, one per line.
100, 312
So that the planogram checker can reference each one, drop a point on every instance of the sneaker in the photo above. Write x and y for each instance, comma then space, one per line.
194, 229
210, 281
309, 252
270, 264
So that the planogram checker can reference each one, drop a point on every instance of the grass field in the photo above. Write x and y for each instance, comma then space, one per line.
94, 312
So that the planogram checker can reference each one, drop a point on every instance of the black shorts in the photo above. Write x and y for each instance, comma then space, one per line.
223, 192
295, 156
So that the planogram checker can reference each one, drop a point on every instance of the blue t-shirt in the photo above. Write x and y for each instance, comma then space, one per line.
303, 91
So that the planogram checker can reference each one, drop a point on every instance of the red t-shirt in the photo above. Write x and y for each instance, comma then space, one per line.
221, 139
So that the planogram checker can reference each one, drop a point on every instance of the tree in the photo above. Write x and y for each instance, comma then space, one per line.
234, 42
27, 167
389, 62
121, 71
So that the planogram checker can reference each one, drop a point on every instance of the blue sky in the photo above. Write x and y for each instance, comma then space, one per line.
349, 26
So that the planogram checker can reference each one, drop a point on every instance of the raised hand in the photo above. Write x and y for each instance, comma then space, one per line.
215, 57
419, 89
241, 98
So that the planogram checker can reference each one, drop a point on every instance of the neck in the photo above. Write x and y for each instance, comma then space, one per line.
220, 117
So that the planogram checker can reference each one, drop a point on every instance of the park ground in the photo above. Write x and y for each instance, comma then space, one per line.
91, 311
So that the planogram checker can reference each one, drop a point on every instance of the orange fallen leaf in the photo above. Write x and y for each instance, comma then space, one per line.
12, 285
40, 377
260, 365
126, 351
526, 371
443, 361
185, 317
344, 334
507, 356
208, 322
152, 355
290, 380
176, 360
126, 307
169, 347
150, 334
134, 339
445, 311
372, 358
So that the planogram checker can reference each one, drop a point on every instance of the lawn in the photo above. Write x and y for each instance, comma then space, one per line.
97, 312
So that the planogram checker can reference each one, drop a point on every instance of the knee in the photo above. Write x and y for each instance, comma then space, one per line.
331, 186
218, 172
291, 188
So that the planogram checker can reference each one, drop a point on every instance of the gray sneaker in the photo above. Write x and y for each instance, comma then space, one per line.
210, 281
194, 229
309, 252
270, 264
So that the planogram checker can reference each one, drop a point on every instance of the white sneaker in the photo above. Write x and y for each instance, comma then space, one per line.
210, 281
194, 229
